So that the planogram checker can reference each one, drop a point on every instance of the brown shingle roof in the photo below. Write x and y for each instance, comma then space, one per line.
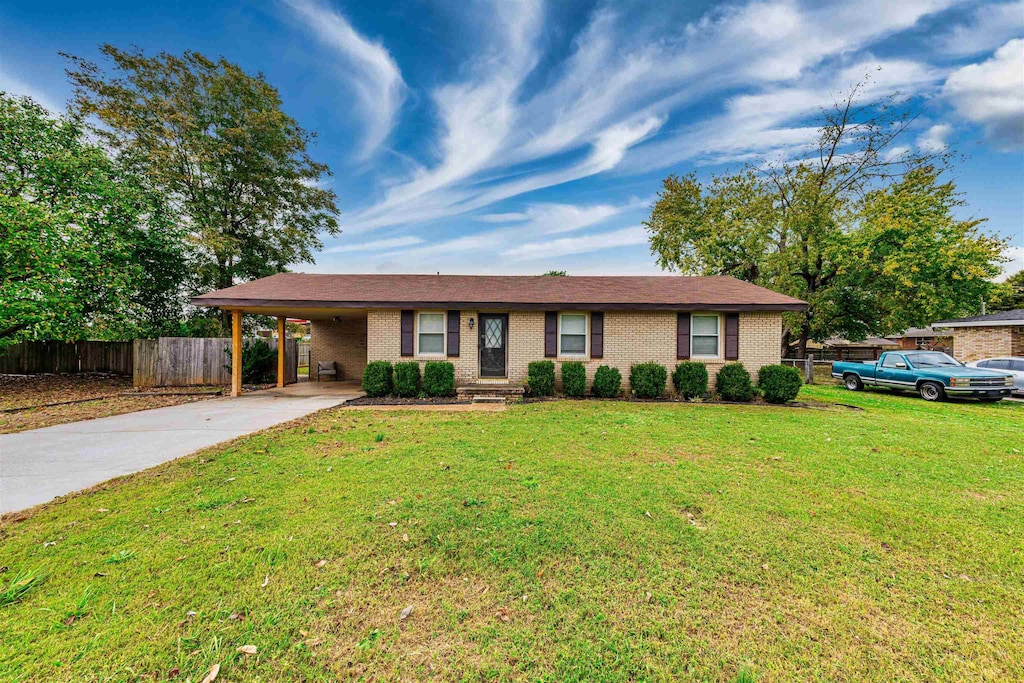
504, 291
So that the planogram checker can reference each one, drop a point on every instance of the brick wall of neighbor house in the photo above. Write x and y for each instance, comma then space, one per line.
343, 342
974, 343
937, 343
629, 337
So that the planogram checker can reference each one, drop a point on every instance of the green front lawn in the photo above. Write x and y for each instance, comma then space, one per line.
562, 541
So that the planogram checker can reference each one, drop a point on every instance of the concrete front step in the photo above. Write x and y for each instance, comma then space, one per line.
490, 393
490, 399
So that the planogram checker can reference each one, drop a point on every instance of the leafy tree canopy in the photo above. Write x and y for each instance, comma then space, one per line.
1008, 295
86, 249
860, 229
216, 141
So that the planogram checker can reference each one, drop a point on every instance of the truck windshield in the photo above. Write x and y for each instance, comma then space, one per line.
932, 359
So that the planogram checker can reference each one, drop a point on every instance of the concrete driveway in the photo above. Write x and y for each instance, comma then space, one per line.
41, 464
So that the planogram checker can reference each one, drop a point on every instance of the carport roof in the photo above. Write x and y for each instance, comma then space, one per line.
517, 292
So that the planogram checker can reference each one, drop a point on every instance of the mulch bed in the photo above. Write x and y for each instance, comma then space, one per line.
715, 402
397, 401
33, 401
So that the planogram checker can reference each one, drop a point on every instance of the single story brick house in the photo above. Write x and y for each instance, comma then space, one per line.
985, 336
924, 339
490, 327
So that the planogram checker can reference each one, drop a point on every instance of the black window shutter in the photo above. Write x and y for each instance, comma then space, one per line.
453, 333
683, 336
550, 334
597, 335
732, 336
407, 345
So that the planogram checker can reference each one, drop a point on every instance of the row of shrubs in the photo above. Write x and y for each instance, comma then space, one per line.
775, 383
381, 378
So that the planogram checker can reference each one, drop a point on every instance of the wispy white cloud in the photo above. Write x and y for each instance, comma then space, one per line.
376, 245
13, 85
988, 27
566, 246
1014, 262
366, 66
934, 139
554, 218
991, 94
773, 122
614, 92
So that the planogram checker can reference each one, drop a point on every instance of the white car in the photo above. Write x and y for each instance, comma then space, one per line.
1011, 365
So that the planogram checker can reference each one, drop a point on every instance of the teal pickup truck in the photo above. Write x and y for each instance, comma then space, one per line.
932, 374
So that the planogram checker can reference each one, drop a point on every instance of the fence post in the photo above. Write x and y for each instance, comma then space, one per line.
809, 368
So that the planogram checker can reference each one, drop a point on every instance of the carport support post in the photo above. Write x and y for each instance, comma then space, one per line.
281, 338
236, 353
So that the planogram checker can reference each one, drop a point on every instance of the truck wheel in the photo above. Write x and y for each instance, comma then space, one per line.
853, 383
931, 391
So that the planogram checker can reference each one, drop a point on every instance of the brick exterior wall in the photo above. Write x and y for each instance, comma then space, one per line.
343, 342
975, 343
629, 337
937, 343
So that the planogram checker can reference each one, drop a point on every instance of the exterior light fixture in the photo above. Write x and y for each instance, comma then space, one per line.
471, 323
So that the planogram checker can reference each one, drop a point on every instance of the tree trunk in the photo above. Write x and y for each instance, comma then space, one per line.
223, 282
787, 337
801, 346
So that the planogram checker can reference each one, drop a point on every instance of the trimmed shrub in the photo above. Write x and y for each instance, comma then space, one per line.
439, 378
407, 378
574, 378
377, 378
733, 383
647, 380
779, 383
607, 382
690, 379
259, 361
540, 377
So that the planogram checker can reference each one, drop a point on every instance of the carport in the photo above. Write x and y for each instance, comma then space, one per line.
337, 334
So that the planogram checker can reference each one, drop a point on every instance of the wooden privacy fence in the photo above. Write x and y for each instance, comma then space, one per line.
185, 361
38, 357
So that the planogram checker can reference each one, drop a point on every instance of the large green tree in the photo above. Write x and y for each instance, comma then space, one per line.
86, 248
860, 228
1008, 295
215, 139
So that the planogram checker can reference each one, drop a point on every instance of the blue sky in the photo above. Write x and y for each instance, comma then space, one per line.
518, 137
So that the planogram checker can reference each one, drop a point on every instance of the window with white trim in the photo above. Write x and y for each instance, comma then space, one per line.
704, 334
572, 334
430, 334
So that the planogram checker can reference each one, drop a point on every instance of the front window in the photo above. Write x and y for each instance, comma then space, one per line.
430, 337
572, 334
932, 359
704, 336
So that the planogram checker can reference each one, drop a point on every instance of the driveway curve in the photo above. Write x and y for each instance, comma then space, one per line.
39, 465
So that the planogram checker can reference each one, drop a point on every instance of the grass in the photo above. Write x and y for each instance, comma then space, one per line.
558, 541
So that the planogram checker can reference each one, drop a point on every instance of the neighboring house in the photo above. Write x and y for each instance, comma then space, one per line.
492, 327
869, 348
985, 336
924, 338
